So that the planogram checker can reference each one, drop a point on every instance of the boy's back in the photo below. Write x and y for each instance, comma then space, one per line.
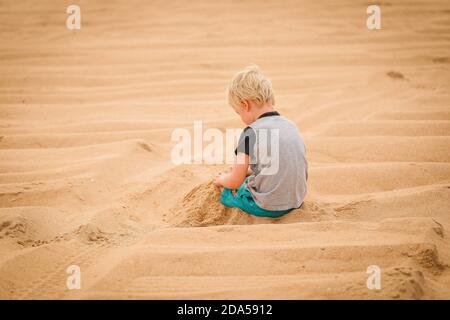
278, 183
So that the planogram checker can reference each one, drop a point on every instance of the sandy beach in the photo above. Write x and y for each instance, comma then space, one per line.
86, 176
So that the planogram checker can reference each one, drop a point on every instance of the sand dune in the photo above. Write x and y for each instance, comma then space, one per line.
86, 179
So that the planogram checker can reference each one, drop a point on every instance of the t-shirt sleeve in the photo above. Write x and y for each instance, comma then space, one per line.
246, 142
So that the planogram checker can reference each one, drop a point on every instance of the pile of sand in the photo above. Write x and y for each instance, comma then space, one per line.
202, 207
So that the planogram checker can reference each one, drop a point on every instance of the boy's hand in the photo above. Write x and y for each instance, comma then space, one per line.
218, 181
232, 179
227, 170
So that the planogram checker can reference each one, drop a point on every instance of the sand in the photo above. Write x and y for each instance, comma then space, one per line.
86, 177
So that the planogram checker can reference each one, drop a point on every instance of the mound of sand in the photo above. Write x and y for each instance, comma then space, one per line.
201, 207
91, 233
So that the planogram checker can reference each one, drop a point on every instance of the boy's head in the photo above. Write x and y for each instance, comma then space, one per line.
250, 94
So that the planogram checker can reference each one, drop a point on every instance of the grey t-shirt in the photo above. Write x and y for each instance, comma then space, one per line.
278, 161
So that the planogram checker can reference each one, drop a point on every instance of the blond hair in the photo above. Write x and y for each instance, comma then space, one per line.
250, 84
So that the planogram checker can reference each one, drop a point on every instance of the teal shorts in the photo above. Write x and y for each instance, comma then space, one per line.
244, 201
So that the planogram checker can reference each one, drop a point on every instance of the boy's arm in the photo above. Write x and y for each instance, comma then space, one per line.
234, 178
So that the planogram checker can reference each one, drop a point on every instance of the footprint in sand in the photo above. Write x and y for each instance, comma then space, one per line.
396, 75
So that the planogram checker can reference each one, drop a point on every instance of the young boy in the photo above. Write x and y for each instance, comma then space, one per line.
270, 151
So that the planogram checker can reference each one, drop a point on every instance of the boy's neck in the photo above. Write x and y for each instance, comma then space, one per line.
260, 111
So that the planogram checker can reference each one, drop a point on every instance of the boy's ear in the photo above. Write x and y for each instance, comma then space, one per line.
245, 104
